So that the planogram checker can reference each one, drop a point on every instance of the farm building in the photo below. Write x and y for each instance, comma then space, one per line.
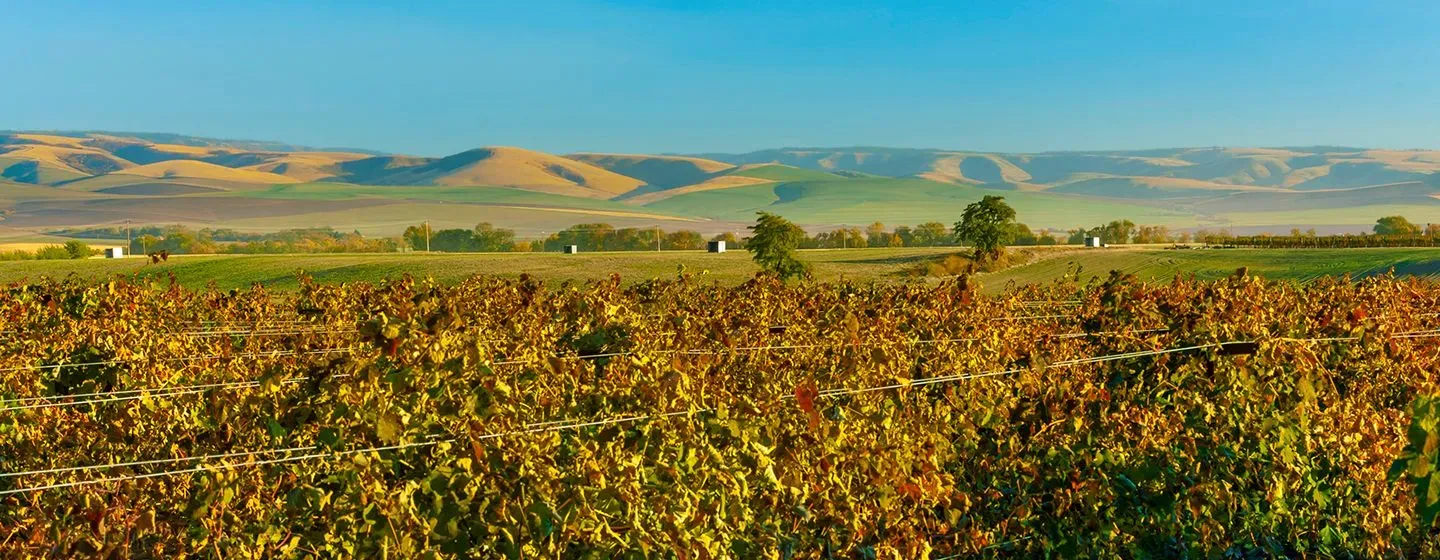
1093, 241
572, 249
716, 247
114, 252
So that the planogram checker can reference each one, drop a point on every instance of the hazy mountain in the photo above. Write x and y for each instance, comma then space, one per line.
83, 177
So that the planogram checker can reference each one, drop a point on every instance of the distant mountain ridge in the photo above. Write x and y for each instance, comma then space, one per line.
132, 174
1300, 168
197, 141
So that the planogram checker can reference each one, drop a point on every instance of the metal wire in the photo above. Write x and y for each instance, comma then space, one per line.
550, 426
117, 361
332, 454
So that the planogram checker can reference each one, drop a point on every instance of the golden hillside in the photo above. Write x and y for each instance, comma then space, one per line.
715, 183
81, 160
658, 172
506, 166
305, 166
191, 169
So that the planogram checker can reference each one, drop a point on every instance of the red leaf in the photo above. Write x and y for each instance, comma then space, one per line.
805, 394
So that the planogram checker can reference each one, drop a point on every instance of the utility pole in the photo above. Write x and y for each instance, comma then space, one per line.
657, 239
128, 243
427, 236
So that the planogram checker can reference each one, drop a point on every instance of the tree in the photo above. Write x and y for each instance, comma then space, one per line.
773, 244
491, 239
417, 236
903, 237
987, 225
836, 239
930, 234
731, 240
684, 240
452, 241
77, 250
1395, 225
1118, 232
1152, 234
876, 236
1021, 235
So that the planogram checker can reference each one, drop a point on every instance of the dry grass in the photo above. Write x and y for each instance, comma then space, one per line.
305, 166
529, 222
1182, 183
601, 159
946, 170
1307, 174
721, 182
505, 166
1423, 161
200, 170
183, 149
53, 140
63, 158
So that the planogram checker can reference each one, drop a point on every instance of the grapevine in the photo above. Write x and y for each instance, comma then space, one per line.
691, 420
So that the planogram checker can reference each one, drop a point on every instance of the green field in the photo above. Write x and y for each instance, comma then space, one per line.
1162, 264
467, 195
230, 271
861, 265
786, 173
902, 201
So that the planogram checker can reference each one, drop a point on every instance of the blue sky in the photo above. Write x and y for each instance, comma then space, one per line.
434, 78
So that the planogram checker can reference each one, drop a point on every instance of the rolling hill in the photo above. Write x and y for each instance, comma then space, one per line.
1300, 168
502, 166
657, 172
47, 178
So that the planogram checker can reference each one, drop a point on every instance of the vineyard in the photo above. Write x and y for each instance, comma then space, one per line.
683, 419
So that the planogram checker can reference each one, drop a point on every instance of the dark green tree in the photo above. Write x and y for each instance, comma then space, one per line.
930, 234
1118, 232
987, 225
78, 249
491, 239
1395, 225
418, 236
772, 245
452, 241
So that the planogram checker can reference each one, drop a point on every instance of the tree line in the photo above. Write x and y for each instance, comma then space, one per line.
1389, 231
177, 239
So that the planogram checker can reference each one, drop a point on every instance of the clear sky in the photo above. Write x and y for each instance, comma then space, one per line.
434, 78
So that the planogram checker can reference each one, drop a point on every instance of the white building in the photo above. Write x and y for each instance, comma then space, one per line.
114, 252
716, 247
1093, 241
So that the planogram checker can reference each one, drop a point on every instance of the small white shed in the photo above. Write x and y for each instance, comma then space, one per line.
572, 249
114, 252
716, 247
1093, 241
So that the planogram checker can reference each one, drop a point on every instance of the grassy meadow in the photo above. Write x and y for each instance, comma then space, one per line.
903, 201
860, 265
